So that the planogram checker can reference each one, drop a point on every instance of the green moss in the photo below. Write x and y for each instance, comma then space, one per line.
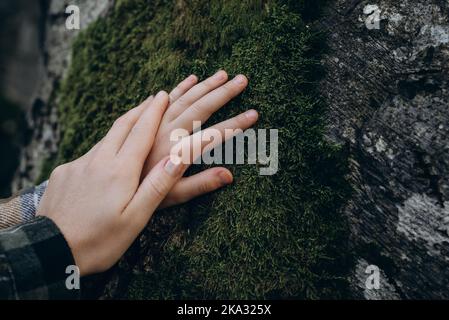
265, 236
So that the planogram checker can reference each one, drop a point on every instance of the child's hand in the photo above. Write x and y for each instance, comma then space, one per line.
191, 102
103, 200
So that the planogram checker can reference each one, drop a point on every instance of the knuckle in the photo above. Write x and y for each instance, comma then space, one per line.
204, 187
182, 101
172, 96
208, 84
59, 171
229, 89
182, 86
76, 165
121, 121
117, 122
157, 187
197, 108
241, 120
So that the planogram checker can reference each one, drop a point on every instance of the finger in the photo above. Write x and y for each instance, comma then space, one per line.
116, 136
91, 153
194, 186
141, 137
202, 109
182, 88
191, 147
195, 93
153, 189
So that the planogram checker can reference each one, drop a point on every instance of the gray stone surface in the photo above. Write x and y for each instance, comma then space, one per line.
387, 90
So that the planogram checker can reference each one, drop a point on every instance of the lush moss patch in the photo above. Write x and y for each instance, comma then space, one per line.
265, 236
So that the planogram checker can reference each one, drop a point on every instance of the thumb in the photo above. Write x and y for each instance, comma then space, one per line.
154, 188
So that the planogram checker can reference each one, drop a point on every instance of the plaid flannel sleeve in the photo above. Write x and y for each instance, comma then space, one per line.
33, 261
22, 207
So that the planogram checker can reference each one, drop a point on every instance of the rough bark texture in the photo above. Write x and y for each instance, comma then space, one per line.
387, 91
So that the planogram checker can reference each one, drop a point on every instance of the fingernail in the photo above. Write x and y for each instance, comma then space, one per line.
191, 78
225, 177
251, 115
173, 166
220, 75
161, 94
240, 79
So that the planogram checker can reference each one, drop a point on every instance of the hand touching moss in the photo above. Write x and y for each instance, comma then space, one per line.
103, 200
191, 102
98, 201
